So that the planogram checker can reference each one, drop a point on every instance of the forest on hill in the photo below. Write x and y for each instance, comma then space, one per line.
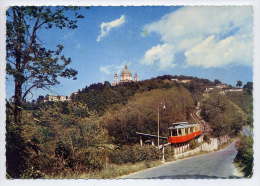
100, 96
97, 128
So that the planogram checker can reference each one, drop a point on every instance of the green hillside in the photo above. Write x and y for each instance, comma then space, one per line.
96, 130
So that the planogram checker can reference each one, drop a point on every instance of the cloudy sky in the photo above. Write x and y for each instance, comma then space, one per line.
207, 42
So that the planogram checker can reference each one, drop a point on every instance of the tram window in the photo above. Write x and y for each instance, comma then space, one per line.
179, 132
192, 129
186, 131
174, 132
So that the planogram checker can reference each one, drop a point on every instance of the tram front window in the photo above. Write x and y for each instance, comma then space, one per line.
174, 132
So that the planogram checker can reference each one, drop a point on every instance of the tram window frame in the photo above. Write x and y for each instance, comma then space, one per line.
182, 132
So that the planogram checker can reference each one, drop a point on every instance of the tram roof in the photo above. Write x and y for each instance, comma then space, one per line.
182, 125
178, 123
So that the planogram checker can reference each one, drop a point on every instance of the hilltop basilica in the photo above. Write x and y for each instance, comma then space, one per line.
125, 76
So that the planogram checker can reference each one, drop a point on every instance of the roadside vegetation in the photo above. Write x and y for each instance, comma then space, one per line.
227, 115
245, 155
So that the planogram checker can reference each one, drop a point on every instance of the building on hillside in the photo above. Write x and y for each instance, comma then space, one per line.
125, 77
73, 94
221, 86
234, 90
52, 98
185, 80
208, 89
181, 80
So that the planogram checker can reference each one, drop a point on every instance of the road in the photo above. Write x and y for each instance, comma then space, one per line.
212, 165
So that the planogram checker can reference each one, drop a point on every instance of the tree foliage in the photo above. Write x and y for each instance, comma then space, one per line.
64, 141
239, 83
30, 64
140, 114
224, 116
100, 97
248, 87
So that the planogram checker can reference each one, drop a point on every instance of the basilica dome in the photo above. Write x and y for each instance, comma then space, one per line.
125, 76
125, 71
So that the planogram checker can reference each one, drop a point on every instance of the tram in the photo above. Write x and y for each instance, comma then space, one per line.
182, 132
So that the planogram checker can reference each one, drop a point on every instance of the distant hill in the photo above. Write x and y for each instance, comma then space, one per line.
100, 96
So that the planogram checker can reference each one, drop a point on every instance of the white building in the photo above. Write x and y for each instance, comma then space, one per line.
125, 76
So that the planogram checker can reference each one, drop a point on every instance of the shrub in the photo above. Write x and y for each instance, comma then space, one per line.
62, 150
193, 144
95, 159
134, 153
244, 155
206, 138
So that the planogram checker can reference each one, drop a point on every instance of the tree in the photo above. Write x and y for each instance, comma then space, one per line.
223, 115
239, 83
31, 65
248, 87
216, 81
245, 155
29, 62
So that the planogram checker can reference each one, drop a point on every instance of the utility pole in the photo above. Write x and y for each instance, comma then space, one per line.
158, 125
158, 122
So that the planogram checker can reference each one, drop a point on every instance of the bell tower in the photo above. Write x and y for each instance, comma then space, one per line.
135, 77
115, 79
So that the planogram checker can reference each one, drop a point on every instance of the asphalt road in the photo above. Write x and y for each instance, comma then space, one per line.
212, 165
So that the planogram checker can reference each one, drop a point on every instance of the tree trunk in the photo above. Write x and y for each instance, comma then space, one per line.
19, 76
18, 101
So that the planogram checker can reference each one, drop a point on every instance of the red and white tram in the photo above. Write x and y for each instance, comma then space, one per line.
182, 132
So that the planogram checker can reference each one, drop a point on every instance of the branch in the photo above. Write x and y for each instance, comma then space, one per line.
44, 22
28, 91
9, 105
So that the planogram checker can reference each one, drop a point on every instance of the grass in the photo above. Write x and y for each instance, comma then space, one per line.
111, 171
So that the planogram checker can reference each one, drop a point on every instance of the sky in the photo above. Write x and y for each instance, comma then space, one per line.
207, 42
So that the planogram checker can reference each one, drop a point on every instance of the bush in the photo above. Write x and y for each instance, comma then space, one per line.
244, 155
134, 153
206, 139
193, 144
62, 150
95, 159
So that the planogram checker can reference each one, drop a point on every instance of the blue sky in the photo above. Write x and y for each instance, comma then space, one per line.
207, 42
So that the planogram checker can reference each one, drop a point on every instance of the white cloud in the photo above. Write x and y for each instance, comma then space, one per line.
208, 36
215, 53
106, 27
111, 69
105, 69
162, 55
